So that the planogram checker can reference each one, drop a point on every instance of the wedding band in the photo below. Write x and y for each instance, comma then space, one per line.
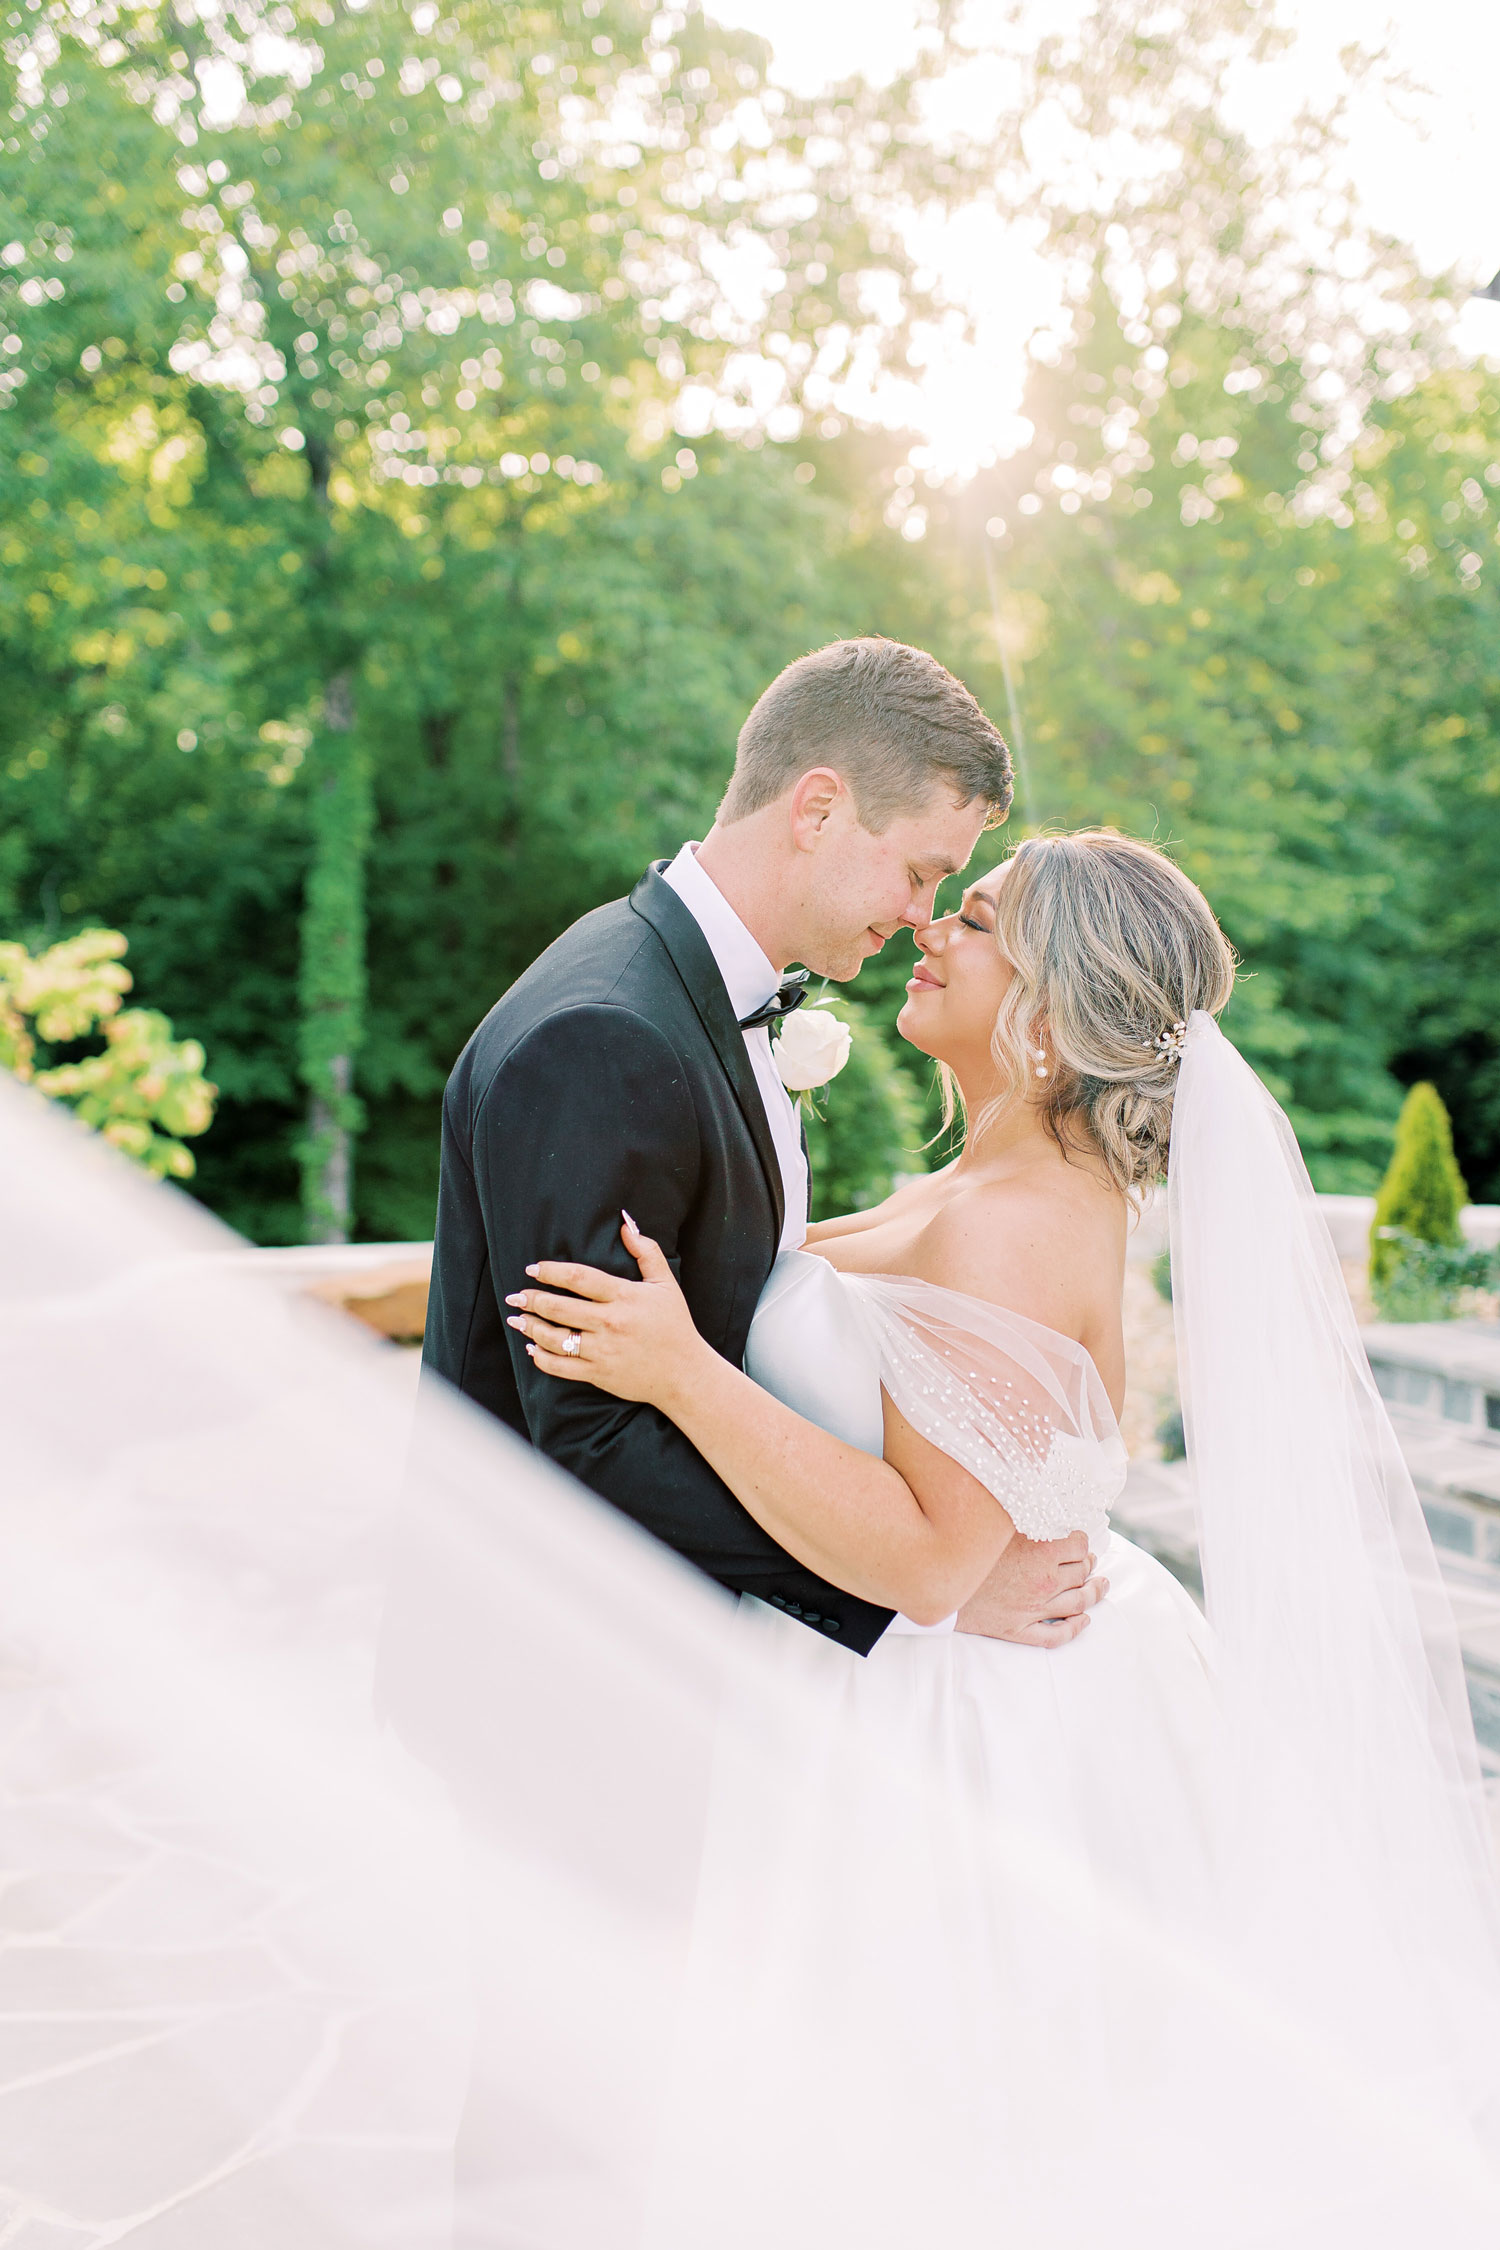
572, 1344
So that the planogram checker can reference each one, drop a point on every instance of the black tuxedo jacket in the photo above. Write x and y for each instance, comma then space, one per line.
614, 1073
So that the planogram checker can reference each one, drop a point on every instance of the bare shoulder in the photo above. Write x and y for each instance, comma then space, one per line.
1048, 1243
905, 1201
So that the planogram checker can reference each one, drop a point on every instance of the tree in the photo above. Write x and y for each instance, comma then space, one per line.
339, 705
1198, 557
1197, 668
407, 305
1423, 1192
1434, 457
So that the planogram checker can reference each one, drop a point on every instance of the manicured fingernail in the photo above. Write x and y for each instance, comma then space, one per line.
531, 1351
532, 1271
518, 1299
625, 1215
515, 1324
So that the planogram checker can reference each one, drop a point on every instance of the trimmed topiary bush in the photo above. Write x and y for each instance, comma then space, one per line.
1423, 1192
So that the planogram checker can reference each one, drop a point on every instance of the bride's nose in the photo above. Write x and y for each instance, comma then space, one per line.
929, 938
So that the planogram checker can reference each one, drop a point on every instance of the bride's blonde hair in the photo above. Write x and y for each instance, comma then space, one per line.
1111, 946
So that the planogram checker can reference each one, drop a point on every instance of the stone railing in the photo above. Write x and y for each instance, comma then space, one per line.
384, 1284
1349, 1221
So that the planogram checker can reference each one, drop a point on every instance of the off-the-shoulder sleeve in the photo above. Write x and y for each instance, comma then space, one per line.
1020, 1407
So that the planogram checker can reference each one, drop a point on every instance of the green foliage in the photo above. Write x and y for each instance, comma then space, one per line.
1428, 1280
372, 385
59, 995
376, 384
143, 1090
1161, 1275
864, 1129
1423, 1192
1437, 453
1200, 668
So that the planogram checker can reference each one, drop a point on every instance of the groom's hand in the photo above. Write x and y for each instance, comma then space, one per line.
1039, 1593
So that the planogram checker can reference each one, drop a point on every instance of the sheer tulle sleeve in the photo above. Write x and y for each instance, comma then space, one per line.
1018, 1406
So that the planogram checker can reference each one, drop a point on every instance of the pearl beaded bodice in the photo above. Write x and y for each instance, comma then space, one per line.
1018, 1406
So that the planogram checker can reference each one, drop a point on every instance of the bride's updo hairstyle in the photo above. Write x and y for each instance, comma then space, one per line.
1111, 945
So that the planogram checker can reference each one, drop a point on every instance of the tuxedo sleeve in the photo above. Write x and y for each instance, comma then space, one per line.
592, 1112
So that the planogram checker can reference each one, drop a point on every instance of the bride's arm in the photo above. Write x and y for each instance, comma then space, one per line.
913, 1532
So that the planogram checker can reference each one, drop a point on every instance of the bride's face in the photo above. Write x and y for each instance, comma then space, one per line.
962, 977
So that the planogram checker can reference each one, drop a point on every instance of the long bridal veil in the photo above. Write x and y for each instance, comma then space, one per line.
1356, 1847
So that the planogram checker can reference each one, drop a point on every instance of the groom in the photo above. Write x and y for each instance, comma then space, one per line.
631, 1067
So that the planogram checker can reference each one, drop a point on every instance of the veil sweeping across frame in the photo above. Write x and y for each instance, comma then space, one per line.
304, 1703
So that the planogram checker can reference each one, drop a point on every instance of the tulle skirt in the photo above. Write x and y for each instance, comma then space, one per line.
969, 1965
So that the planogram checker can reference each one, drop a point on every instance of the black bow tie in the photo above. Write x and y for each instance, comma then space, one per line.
788, 996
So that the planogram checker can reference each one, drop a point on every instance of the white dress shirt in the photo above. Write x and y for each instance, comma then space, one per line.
750, 981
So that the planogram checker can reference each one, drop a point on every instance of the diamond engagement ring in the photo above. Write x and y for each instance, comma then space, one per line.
572, 1344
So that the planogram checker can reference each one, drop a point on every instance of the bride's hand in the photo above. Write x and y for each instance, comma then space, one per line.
634, 1339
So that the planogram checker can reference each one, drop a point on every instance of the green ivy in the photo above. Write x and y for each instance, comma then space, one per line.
332, 981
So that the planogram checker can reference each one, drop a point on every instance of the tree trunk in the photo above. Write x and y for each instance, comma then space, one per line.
333, 968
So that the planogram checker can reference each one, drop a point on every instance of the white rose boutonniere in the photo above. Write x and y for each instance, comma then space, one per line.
812, 1048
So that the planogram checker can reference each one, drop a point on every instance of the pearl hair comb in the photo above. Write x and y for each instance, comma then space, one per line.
1168, 1045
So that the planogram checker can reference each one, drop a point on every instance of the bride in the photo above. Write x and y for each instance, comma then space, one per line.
1185, 1933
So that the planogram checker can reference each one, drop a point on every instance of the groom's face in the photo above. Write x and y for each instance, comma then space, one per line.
863, 887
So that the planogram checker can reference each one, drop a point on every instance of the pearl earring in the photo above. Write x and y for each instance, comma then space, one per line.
1041, 1062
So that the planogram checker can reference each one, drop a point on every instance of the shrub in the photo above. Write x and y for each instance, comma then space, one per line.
144, 1090
865, 1128
1425, 1280
1423, 1192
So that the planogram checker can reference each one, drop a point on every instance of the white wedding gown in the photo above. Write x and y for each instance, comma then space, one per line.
966, 1962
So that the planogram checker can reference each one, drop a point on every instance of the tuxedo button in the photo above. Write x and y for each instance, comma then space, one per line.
778, 1601
812, 1618
793, 1609
831, 1625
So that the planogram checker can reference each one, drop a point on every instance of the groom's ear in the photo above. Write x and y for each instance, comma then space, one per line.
813, 799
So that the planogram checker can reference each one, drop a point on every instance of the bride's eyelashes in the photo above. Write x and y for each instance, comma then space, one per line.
969, 923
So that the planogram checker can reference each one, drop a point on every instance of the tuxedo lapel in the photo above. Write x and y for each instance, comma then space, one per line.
692, 957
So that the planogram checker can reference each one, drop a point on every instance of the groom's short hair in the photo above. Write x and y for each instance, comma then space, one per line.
891, 720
